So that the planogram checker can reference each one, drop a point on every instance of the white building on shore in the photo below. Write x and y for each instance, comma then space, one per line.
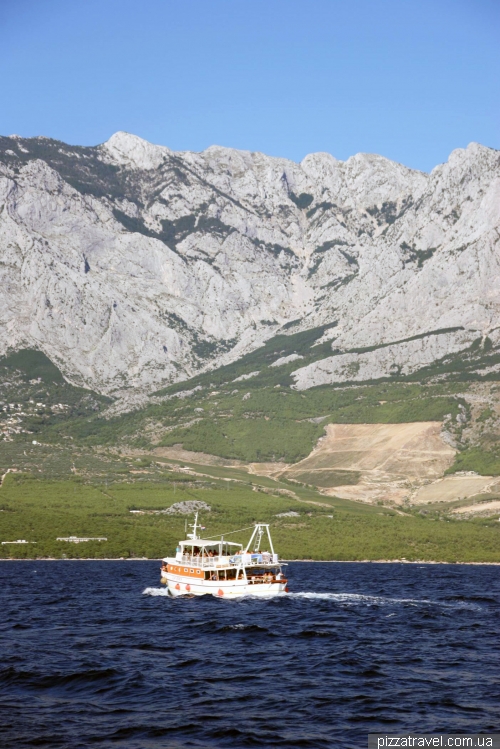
19, 541
77, 540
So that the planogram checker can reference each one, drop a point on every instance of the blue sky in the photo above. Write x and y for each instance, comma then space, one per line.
409, 79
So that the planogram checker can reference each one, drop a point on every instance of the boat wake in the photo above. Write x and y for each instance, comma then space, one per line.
355, 599
360, 599
156, 592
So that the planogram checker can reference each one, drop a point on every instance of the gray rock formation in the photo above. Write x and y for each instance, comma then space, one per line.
132, 266
187, 508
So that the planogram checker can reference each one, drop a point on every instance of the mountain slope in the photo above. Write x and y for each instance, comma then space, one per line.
134, 267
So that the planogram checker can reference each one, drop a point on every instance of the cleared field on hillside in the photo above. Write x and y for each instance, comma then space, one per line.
452, 488
381, 461
414, 449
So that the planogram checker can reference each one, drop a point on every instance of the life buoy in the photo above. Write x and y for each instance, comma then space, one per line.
177, 587
188, 587
220, 592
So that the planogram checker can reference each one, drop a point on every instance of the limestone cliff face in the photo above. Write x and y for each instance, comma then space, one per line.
133, 266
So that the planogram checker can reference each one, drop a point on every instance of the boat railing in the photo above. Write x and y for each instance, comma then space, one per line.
227, 561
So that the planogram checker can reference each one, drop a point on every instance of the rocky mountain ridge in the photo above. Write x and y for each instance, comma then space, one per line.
132, 266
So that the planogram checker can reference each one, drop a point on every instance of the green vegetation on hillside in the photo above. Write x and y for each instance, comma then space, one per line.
256, 424
248, 421
31, 365
479, 460
328, 478
263, 424
258, 418
35, 397
304, 343
255, 419
41, 511
253, 440
477, 363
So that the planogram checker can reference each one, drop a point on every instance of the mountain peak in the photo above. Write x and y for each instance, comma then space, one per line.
136, 152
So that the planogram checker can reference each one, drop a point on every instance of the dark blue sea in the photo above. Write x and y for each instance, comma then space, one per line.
94, 654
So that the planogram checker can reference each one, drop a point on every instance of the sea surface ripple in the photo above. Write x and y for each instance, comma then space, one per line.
94, 654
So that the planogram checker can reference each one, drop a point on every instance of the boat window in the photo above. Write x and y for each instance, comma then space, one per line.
230, 574
222, 574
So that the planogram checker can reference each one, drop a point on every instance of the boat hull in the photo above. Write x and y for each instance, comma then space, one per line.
222, 589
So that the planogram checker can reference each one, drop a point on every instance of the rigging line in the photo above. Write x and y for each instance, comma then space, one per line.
240, 530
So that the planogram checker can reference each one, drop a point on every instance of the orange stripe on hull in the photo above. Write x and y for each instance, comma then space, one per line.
185, 571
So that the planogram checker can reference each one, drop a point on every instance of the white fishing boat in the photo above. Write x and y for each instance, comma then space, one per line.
218, 567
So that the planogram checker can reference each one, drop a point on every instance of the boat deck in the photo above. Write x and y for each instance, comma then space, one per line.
205, 562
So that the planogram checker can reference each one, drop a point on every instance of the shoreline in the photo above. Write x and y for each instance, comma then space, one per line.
305, 561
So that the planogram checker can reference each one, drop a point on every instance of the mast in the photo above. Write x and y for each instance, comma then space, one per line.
257, 536
194, 535
270, 541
